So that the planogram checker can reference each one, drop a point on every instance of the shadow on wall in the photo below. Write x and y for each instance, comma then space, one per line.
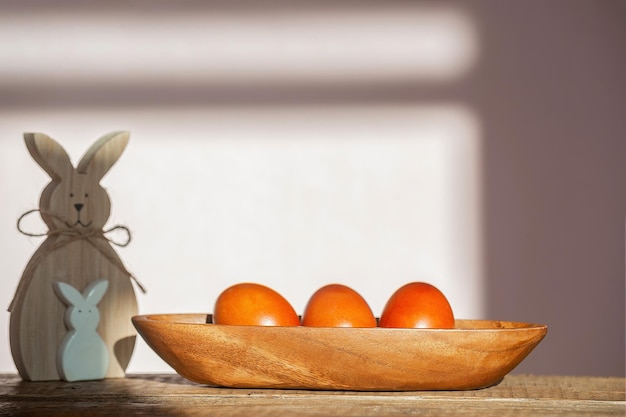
552, 94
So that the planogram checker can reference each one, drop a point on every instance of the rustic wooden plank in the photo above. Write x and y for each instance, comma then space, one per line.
360, 409
513, 386
520, 395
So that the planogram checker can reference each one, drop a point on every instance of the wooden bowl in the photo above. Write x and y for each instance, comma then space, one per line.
475, 354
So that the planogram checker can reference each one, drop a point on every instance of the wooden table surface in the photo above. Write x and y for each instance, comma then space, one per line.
171, 395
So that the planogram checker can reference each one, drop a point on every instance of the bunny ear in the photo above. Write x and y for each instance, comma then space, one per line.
103, 154
68, 294
49, 155
95, 291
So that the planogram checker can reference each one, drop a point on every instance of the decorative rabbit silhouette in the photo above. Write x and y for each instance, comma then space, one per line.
82, 355
75, 207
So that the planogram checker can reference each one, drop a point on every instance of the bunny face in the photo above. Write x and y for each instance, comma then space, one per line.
74, 197
83, 317
78, 199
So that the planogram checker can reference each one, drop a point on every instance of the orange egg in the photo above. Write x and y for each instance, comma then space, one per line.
249, 304
336, 305
417, 305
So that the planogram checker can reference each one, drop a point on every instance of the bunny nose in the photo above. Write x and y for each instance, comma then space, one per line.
78, 206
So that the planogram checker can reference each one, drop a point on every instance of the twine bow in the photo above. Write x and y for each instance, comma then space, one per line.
73, 233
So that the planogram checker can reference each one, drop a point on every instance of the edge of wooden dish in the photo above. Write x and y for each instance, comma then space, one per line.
474, 354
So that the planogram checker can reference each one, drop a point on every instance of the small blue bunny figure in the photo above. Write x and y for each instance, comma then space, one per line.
82, 355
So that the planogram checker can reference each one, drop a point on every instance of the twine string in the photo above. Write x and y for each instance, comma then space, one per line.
73, 233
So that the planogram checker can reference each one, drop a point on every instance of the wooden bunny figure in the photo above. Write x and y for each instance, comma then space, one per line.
83, 355
75, 207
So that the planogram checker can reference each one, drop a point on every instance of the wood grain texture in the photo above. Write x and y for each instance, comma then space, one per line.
474, 354
172, 395
75, 207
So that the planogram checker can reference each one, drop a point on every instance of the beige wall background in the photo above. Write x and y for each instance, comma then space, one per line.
538, 87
